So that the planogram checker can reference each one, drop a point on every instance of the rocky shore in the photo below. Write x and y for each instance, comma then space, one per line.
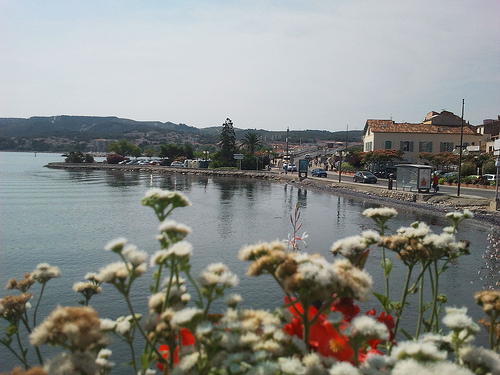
400, 199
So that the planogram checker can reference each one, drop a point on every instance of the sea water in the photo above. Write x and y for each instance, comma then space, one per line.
66, 217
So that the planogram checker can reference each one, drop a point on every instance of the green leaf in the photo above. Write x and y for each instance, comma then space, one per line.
426, 306
386, 302
387, 267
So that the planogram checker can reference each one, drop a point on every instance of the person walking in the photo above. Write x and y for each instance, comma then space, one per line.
435, 182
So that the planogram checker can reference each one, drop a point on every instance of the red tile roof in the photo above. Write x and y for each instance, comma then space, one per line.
389, 126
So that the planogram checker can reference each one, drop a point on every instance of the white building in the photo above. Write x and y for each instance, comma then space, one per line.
438, 133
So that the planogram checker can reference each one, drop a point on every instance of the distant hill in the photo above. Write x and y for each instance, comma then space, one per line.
68, 133
98, 127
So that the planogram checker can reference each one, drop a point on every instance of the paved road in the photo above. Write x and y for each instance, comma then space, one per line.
443, 189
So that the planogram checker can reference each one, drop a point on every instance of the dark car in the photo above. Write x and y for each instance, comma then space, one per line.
318, 172
365, 177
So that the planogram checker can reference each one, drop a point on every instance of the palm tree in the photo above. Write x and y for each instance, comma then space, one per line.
251, 142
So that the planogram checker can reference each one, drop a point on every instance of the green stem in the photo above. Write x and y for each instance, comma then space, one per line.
38, 304
492, 330
132, 351
15, 353
25, 361
403, 300
158, 278
420, 303
37, 349
434, 284
190, 278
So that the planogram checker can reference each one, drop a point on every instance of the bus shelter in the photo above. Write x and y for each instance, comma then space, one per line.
414, 177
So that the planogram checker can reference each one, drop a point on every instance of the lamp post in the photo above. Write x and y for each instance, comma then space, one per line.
346, 144
461, 149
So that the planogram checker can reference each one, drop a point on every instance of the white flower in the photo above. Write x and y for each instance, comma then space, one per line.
123, 326
188, 362
158, 257
174, 228
233, 299
208, 279
217, 268
204, 328
44, 272
383, 212
419, 350
415, 230
369, 327
113, 271
92, 276
156, 301
229, 279
184, 316
116, 245
181, 249
135, 256
457, 319
108, 324
481, 358
344, 368
104, 353
292, 366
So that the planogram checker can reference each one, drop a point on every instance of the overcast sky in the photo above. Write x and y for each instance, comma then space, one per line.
306, 64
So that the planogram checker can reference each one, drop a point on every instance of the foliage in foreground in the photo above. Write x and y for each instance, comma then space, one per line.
319, 330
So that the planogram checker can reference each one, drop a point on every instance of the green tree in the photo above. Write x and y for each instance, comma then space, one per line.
228, 143
149, 152
443, 159
251, 142
124, 148
382, 156
79, 157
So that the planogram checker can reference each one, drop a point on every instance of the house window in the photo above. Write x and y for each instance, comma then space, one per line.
368, 146
446, 147
425, 146
388, 145
406, 146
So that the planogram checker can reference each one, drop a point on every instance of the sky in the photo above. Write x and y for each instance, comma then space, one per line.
302, 64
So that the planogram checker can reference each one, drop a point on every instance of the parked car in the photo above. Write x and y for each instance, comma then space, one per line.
177, 164
365, 177
490, 177
291, 167
318, 172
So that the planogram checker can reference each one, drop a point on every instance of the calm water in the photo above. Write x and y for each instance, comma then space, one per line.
65, 218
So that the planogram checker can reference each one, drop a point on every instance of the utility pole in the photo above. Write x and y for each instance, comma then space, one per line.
346, 144
461, 149
287, 156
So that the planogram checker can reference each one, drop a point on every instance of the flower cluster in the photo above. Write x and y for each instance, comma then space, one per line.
417, 243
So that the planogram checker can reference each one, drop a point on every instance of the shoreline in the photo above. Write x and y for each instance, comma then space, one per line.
437, 203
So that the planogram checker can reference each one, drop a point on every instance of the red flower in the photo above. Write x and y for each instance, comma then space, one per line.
387, 320
187, 339
348, 309
323, 337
